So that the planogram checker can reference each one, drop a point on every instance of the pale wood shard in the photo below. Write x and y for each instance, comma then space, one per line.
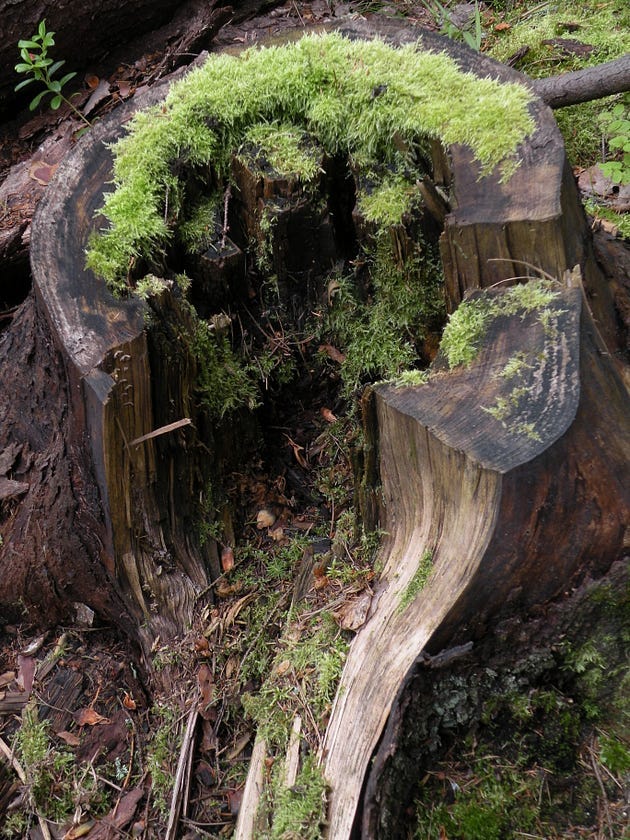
248, 816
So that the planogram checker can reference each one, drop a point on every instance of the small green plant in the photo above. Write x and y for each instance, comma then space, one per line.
471, 35
38, 66
616, 126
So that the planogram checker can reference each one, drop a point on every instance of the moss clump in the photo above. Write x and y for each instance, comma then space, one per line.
467, 325
418, 581
285, 149
353, 97
381, 330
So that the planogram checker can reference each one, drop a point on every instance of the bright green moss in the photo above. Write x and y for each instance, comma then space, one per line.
467, 325
354, 97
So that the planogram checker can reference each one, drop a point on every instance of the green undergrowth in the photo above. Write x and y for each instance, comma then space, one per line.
354, 97
602, 27
545, 751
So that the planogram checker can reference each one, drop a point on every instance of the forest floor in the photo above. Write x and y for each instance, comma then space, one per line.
90, 743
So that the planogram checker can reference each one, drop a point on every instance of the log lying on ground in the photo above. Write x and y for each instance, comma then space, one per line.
585, 85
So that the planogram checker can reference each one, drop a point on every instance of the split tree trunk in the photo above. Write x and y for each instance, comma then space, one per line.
509, 513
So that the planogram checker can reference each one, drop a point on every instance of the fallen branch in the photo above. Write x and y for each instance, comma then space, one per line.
585, 85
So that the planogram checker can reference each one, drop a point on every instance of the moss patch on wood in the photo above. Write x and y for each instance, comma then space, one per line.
364, 99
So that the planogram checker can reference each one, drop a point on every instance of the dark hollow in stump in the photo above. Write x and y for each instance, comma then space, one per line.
507, 509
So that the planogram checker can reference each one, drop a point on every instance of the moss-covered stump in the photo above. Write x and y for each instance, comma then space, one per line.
502, 468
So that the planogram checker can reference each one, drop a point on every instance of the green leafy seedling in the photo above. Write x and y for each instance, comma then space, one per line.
38, 66
617, 128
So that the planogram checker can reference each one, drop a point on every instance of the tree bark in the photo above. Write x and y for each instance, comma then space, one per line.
111, 31
585, 85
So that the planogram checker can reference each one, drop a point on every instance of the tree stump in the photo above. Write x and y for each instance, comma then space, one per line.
489, 498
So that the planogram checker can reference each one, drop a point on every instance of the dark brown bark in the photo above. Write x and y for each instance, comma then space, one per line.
585, 85
89, 37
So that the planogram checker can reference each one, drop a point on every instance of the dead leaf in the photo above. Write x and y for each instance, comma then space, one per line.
79, 830
235, 609
327, 414
124, 89
502, 27
69, 738
353, 613
42, 172
235, 798
89, 717
129, 702
201, 645
6, 678
276, 534
100, 93
223, 589
239, 746
332, 353
209, 741
121, 814
32, 648
297, 450
205, 682
227, 558
26, 672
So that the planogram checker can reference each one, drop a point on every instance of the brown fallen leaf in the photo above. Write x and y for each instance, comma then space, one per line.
265, 518
26, 672
353, 613
205, 682
79, 830
89, 717
69, 738
129, 702
332, 353
6, 678
502, 27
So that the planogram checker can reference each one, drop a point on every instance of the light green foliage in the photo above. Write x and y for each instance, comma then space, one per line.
199, 229
498, 801
387, 202
38, 66
323, 84
287, 149
299, 811
412, 378
467, 325
471, 34
605, 26
223, 382
307, 664
418, 581
616, 125
53, 790
380, 336
162, 754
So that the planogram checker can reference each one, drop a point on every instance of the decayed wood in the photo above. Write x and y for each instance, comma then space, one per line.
248, 816
508, 518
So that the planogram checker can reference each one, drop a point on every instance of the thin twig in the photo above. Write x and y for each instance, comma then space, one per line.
179, 800
600, 782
